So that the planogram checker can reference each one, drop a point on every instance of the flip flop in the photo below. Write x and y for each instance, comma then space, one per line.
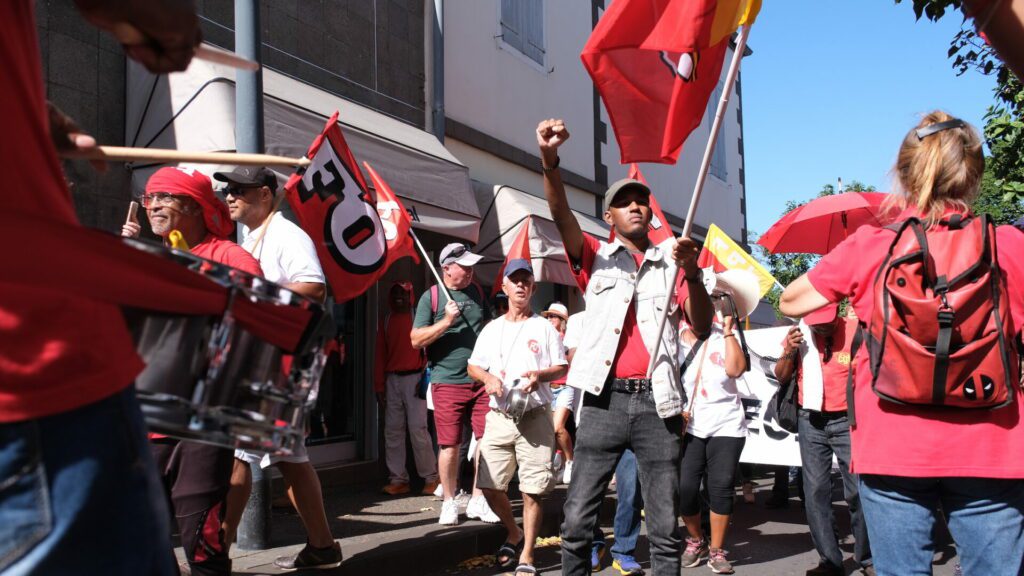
525, 569
510, 552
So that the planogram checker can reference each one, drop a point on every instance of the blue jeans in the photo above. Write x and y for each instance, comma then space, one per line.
609, 425
79, 494
985, 517
820, 436
627, 509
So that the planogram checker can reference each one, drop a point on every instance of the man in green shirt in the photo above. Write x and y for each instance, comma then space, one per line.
448, 329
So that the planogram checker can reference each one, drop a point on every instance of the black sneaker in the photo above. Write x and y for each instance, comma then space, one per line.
310, 558
826, 569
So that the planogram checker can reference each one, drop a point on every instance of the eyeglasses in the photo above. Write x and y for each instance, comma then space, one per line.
238, 191
159, 199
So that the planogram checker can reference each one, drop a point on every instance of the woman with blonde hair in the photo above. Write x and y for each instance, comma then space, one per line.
915, 445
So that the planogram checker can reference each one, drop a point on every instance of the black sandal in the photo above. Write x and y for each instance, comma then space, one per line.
525, 569
510, 552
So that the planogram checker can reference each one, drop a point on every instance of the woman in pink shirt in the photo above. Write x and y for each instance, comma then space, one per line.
915, 459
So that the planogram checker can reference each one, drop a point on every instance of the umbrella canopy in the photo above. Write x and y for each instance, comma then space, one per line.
820, 225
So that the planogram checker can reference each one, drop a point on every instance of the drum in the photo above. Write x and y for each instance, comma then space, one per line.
209, 379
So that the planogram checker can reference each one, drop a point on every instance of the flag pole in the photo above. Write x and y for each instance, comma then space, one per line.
430, 264
723, 103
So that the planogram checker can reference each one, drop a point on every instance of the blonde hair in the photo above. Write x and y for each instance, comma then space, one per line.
939, 172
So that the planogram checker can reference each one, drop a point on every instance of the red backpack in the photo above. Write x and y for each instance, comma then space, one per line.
940, 332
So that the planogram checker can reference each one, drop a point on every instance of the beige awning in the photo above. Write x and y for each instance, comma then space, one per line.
195, 110
505, 209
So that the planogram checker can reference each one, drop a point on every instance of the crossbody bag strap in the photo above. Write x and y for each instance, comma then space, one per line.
697, 383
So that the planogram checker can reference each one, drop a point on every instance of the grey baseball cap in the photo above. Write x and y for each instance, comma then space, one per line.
621, 185
457, 253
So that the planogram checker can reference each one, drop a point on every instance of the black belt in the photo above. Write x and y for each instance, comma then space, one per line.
407, 372
631, 385
826, 415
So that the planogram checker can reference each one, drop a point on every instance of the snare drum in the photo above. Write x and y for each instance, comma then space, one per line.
208, 379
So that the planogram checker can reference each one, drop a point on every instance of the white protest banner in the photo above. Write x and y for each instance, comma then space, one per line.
767, 443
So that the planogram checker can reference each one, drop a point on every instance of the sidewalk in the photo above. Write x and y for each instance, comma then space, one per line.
387, 535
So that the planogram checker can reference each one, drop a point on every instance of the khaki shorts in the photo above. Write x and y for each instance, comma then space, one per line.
530, 445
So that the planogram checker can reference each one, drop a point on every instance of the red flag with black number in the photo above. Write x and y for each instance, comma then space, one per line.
520, 249
395, 219
332, 202
658, 230
656, 63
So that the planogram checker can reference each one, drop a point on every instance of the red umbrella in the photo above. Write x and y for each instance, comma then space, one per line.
820, 225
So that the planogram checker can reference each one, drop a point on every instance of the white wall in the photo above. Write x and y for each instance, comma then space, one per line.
498, 91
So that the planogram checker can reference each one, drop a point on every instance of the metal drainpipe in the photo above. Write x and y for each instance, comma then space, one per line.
254, 528
437, 108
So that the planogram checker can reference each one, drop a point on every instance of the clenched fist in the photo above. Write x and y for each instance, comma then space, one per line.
551, 134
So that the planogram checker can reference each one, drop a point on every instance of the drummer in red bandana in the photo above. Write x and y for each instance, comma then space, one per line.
198, 475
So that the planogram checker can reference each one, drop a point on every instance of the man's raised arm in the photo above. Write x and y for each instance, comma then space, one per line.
550, 135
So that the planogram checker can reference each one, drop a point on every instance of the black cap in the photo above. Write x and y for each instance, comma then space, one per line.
249, 177
624, 184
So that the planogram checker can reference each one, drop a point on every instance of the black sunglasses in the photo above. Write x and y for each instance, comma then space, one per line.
237, 191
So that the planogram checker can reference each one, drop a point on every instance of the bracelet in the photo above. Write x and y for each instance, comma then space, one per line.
558, 161
729, 336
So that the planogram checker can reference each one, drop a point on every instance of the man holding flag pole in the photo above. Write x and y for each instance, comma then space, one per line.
624, 281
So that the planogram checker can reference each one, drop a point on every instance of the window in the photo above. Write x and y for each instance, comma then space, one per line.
522, 27
718, 157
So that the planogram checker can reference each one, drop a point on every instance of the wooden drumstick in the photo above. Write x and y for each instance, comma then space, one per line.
133, 211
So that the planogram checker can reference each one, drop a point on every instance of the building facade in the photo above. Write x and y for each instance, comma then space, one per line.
492, 71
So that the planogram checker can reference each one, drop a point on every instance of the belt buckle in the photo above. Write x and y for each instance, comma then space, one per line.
632, 385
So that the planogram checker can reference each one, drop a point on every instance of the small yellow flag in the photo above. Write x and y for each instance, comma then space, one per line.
730, 255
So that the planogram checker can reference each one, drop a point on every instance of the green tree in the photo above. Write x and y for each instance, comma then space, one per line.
1004, 121
789, 267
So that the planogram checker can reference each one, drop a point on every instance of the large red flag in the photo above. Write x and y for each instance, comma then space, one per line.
658, 230
520, 249
396, 221
656, 63
332, 202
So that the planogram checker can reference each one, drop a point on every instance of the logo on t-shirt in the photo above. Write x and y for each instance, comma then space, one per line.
717, 359
534, 346
843, 358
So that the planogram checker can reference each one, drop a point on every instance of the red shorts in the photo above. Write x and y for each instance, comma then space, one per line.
452, 404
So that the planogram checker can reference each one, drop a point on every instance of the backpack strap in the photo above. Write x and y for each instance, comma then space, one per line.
433, 301
858, 339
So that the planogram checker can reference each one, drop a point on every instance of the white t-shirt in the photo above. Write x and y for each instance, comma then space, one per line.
717, 409
573, 331
509, 349
286, 253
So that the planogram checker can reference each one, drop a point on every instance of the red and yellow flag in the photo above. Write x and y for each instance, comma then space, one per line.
656, 63
721, 253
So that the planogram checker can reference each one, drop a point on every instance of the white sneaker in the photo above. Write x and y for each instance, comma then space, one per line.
449, 513
479, 510
567, 474
439, 491
463, 500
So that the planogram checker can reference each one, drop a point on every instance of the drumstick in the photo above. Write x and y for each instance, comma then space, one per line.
133, 210
129, 35
164, 156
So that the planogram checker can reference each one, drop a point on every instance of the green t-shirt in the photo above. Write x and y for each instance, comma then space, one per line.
450, 353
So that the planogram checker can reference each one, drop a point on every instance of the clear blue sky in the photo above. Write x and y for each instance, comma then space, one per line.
831, 89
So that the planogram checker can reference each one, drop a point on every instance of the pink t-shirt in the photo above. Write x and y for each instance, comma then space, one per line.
900, 440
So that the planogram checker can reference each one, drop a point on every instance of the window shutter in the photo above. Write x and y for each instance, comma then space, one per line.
512, 23
534, 26
718, 164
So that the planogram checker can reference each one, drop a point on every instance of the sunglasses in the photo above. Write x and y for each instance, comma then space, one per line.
455, 254
239, 191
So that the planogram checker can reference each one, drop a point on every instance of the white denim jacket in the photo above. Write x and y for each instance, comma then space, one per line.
614, 283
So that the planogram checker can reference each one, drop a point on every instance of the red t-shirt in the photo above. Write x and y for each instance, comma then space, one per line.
631, 357
228, 253
835, 370
58, 351
912, 441
394, 348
